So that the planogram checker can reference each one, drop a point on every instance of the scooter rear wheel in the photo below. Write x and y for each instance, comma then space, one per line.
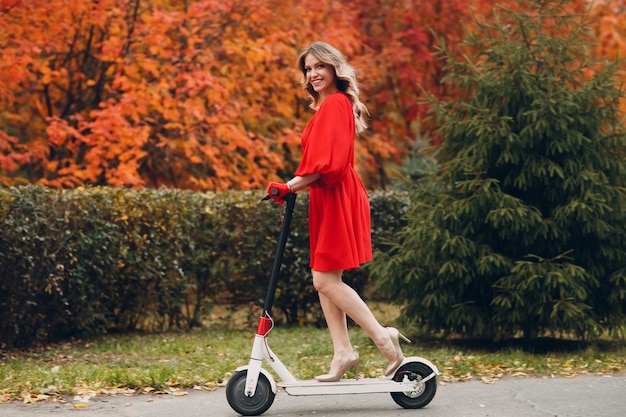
256, 405
415, 371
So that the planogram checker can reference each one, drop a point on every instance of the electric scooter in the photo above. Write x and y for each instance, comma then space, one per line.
250, 390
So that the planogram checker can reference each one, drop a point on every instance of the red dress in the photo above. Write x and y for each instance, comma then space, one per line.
339, 210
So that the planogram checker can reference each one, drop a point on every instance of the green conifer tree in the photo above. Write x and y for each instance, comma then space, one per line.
521, 230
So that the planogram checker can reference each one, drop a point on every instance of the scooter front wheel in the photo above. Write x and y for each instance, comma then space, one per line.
256, 405
425, 392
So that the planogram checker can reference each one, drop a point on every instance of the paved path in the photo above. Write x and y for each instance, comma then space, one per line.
582, 396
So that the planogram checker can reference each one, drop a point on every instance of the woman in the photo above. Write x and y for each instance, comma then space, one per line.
339, 212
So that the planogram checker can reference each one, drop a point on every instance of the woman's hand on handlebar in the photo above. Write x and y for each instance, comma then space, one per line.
277, 191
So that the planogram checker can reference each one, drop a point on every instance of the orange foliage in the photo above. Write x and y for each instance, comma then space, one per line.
610, 31
205, 94
610, 28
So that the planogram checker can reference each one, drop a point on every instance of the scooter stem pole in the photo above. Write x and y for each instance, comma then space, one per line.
290, 199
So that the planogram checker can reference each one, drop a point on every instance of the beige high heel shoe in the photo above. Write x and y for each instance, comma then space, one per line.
334, 377
393, 365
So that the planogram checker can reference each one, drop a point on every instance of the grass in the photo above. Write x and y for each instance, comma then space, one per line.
204, 359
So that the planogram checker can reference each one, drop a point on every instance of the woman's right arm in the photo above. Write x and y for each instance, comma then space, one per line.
299, 182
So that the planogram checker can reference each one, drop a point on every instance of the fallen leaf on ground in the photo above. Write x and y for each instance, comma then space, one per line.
488, 380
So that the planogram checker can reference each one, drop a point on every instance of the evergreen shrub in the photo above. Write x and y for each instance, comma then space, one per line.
520, 231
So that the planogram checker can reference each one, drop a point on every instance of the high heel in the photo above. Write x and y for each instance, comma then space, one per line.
395, 337
334, 377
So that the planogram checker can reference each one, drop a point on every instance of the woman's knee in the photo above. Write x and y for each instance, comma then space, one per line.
319, 283
323, 282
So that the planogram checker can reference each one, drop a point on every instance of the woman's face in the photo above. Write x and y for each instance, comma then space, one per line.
320, 75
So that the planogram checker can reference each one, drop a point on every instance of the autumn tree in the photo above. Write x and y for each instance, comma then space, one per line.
521, 230
139, 95
197, 95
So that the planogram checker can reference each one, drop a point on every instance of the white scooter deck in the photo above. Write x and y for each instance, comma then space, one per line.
352, 386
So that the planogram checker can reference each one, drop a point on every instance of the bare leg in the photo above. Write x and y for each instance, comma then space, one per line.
343, 353
337, 326
338, 300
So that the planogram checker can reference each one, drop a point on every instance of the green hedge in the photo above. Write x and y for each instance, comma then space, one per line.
92, 260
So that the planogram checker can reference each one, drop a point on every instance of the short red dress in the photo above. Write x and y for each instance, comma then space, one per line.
339, 210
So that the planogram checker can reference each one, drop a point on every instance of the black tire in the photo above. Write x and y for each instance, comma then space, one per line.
249, 406
425, 393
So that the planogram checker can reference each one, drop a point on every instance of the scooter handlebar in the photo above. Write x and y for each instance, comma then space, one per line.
275, 192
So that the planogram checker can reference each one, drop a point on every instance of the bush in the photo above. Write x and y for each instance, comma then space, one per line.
93, 260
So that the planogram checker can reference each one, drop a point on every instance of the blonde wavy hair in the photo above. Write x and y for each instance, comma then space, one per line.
346, 79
